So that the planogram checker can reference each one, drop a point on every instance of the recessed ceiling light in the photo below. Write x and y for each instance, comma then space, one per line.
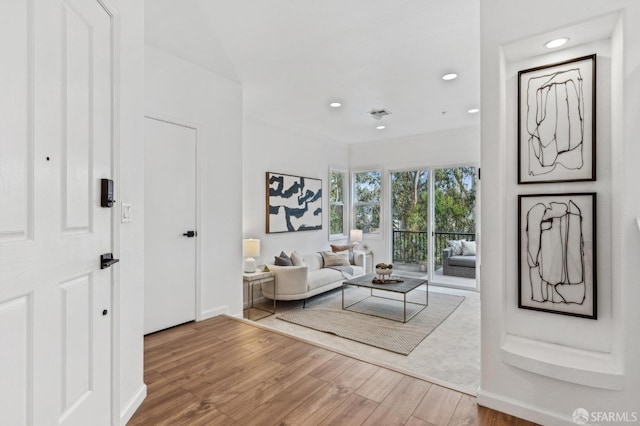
450, 76
380, 127
473, 110
335, 104
556, 42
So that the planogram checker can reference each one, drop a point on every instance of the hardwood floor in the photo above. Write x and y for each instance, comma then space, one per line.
224, 372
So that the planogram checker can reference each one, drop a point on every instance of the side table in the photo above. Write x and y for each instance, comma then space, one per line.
369, 268
251, 279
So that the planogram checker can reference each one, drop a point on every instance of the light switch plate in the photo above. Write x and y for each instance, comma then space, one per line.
127, 216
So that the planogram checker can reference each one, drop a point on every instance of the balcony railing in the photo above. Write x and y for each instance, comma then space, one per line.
412, 246
409, 246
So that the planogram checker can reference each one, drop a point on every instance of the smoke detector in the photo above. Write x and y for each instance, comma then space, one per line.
378, 114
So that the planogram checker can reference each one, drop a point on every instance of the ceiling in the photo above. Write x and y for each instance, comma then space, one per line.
295, 57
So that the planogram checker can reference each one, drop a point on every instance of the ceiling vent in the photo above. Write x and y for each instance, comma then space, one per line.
378, 114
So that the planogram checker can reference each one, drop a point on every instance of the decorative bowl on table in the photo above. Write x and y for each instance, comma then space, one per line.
383, 270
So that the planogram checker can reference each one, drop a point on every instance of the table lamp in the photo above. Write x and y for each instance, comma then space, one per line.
355, 236
250, 248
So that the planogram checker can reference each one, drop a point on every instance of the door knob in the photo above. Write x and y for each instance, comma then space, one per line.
190, 234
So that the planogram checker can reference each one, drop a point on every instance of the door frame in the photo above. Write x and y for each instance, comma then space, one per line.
165, 118
114, 18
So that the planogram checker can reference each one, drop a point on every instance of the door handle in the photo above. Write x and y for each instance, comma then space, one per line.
107, 260
190, 234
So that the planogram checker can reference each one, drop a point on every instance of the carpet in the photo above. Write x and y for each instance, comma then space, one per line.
324, 313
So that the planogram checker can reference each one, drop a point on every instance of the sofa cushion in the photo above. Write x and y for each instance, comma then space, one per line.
468, 261
313, 261
348, 247
283, 260
297, 259
340, 258
322, 277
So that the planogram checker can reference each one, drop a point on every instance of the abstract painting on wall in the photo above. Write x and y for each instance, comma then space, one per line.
557, 122
294, 203
557, 253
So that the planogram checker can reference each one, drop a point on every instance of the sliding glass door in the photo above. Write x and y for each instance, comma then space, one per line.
432, 209
454, 226
410, 219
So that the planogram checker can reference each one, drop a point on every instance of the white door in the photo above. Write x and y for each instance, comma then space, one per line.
170, 212
55, 146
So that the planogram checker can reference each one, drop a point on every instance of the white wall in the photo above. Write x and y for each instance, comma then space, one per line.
439, 149
270, 148
542, 366
130, 292
179, 91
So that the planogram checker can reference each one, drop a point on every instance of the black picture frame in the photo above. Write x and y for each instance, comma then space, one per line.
293, 203
557, 263
557, 122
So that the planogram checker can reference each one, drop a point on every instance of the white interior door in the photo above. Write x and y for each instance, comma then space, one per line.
55, 146
170, 212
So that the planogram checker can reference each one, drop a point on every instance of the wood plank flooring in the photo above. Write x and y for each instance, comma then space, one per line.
226, 372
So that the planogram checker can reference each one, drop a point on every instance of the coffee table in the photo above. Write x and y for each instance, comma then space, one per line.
408, 285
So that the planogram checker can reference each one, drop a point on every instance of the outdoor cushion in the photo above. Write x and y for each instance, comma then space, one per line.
456, 246
468, 248
468, 261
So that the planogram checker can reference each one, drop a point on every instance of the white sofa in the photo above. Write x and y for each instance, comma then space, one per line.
312, 278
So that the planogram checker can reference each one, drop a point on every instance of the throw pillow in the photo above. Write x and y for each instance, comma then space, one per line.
283, 260
456, 246
348, 247
468, 248
335, 248
297, 259
340, 258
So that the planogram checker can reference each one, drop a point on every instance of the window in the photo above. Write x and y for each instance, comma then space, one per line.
367, 188
337, 198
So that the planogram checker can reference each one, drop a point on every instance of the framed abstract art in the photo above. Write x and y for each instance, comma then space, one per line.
294, 203
557, 122
557, 253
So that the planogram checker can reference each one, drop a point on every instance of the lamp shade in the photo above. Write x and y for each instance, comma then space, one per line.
355, 235
251, 247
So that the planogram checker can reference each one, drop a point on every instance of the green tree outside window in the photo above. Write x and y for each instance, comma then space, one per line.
367, 196
336, 202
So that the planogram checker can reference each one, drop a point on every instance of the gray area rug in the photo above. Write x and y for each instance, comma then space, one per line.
325, 313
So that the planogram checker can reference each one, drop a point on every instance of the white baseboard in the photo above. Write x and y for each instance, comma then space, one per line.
521, 410
134, 403
223, 310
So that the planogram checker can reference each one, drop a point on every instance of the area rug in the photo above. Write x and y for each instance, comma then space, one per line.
325, 313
